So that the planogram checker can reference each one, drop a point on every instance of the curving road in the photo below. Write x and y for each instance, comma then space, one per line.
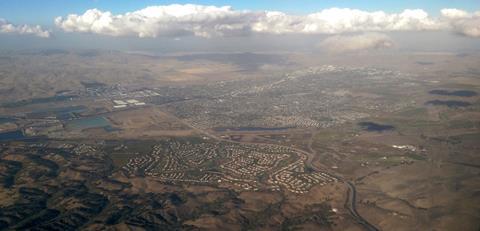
350, 204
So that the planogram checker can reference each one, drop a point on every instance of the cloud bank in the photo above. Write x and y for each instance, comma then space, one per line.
8, 28
335, 20
172, 20
210, 21
349, 43
463, 22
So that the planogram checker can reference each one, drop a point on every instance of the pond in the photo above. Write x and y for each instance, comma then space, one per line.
86, 123
249, 129
448, 103
374, 127
460, 93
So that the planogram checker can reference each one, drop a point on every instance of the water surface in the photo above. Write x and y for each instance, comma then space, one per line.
249, 129
374, 127
86, 123
460, 93
449, 103
12, 135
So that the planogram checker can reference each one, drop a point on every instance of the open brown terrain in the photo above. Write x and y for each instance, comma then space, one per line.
123, 141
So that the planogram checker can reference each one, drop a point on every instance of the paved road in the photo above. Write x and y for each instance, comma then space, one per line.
350, 204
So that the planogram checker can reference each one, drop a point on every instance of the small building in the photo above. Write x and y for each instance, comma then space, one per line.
119, 102
132, 101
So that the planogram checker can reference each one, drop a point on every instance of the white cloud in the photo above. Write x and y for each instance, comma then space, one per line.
463, 22
454, 13
336, 20
8, 28
172, 20
208, 21
349, 43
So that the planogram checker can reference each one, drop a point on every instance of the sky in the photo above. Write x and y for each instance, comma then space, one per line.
43, 12
347, 25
